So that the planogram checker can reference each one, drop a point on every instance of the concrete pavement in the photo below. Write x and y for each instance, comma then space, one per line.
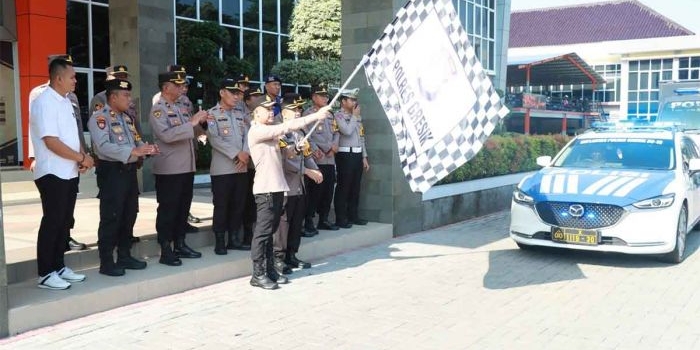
464, 286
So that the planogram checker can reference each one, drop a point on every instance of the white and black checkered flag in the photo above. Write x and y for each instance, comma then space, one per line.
437, 96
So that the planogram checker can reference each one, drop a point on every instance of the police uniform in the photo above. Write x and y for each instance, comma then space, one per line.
227, 135
174, 169
114, 136
348, 160
320, 196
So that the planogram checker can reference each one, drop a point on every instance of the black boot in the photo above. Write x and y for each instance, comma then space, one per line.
260, 279
309, 229
276, 273
295, 262
324, 224
182, 250
234, 244
107, 265
167, 256
220, 245
126, 261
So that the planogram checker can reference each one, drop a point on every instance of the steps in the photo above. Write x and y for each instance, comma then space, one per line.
31, 307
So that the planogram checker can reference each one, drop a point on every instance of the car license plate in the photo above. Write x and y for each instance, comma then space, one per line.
575, 236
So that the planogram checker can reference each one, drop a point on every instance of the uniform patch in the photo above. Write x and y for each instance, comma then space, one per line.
98, 106
101, 122
117, 129
156, 114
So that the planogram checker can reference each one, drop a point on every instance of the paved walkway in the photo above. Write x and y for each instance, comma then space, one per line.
464, 286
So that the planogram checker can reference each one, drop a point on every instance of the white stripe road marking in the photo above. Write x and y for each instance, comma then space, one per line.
607, 190
599, 184
626, 189
546, 183
572, 185
559, 183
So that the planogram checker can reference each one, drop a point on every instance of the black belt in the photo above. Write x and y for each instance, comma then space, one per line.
117, 165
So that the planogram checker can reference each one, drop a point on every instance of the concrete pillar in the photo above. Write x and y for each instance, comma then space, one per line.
385, 195
142, 36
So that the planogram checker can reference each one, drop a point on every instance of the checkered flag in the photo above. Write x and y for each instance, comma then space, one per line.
437, 96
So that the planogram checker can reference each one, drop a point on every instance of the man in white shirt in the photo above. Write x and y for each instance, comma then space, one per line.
59, 159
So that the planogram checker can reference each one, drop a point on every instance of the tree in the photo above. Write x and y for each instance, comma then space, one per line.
198, 46
308, 72
315, 29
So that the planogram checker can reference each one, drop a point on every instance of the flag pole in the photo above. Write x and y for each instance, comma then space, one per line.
335, 98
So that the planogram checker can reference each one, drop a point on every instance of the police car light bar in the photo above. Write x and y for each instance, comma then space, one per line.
636, 125
687, 91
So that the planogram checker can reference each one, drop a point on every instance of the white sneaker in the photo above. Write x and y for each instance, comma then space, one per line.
52, 281
67, 274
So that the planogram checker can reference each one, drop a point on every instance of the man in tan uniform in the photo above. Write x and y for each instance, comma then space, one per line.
269, 186
174, 167
227, 134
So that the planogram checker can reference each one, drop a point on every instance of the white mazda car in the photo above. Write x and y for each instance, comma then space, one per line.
616, 188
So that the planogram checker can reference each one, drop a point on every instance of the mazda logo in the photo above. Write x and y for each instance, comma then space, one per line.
576, 210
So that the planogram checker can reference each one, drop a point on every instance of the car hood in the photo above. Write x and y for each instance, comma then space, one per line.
616, 187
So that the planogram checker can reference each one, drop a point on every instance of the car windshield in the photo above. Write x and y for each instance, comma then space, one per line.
618, 153
684, 112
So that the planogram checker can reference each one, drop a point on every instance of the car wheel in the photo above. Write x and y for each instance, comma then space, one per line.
677, 255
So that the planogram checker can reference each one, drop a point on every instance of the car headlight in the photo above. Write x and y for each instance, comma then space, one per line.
656, 202
520, 197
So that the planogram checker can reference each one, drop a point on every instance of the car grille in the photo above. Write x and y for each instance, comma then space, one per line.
594, 215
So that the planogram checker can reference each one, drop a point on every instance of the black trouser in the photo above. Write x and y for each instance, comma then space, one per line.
119, 198
288, 237
57, 204
269, 207
320, 196
249, 212
229, 194
174, 195
347, 192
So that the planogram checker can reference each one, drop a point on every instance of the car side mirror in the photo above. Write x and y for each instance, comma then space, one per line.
544, 161
694, 165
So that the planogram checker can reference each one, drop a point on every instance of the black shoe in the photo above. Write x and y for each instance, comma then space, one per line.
182, 250
295, 262
219, 245
128, 262
111, 270
193, 219
310, 229
167, 256
278, 270
237, 246
263, 282
191, 228
360, 222
308, 234
135, 239
342, 224
75, 245
325, 225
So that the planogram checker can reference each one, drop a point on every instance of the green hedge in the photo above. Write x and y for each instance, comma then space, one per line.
507, 154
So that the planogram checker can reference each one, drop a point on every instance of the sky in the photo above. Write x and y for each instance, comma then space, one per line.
683, 12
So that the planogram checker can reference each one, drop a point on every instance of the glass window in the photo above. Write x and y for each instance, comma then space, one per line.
186, 8
250, 14
233, 49
695, 74
77, 42
209, 10
634, 66
643, 80
633, 83
695, 62
100, 37
470, 18
492, 24
81, 91
684, 62
284, 46
683, 75
251, 50
231, 12
269, 16
286, 9
269, 52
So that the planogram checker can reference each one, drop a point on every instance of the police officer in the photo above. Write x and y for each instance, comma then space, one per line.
174, 167
187, 108
72, 244
227, 134
350, 160
298, 165
119, 146
273, 87
269, 186
251, 98
324, 145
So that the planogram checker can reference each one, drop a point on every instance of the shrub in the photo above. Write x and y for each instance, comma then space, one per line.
507, 154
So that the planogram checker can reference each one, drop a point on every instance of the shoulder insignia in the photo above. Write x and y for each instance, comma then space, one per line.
101, 122
156, 114
98, 106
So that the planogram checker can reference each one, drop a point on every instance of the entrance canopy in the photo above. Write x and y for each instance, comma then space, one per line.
548, 70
